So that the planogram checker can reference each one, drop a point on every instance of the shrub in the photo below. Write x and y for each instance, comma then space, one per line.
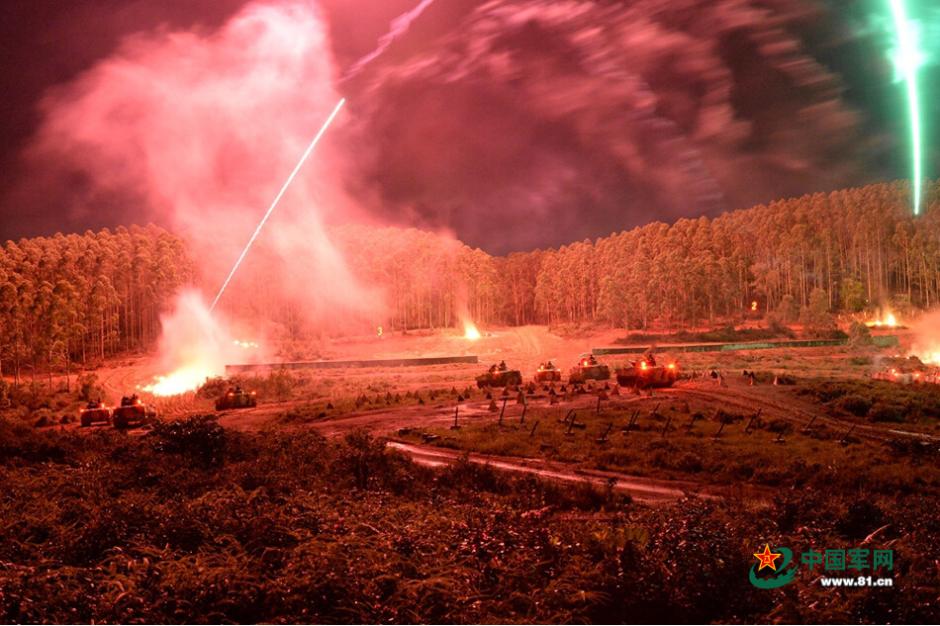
130, 532
723, 334
280, 382
777, 325
689, 462
43, 418
89, 389
855, 404
887, 412
853, 295
362, 460
859, 335
861, 518
787, 309
824, 391
302, 414
4, 394
200, 438
815, 316
212, 388
778, 425
19, 443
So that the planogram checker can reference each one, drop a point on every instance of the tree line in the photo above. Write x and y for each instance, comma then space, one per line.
862, 248
73, 298
68, 298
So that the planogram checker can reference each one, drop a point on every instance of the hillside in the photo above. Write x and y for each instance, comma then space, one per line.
99, 293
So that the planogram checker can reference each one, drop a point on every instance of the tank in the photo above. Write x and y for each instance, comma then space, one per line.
499, 376
907, 371
547, 373
588, 369
645, 373
132, 413
236, 398
94, 413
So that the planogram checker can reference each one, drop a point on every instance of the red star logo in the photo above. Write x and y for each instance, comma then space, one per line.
767, 558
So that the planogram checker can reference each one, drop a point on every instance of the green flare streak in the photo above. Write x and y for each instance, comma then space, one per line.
908, 60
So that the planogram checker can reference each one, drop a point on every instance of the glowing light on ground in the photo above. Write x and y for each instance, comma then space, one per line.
908, 58
194, 346
183, 380
888, 320
470, 331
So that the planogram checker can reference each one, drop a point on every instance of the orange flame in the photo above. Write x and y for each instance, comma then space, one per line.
195, 346
185, 379
888, 320
470, 331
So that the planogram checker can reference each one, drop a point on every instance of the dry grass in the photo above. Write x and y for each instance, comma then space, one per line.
195, 523
677, 439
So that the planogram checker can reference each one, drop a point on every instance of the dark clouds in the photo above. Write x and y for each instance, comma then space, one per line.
47, 44
533, 123
541, 122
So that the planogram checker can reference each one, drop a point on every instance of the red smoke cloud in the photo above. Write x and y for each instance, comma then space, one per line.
199, 130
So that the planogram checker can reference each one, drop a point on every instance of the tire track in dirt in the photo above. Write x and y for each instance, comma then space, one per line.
640, 488
794, 414
387, 423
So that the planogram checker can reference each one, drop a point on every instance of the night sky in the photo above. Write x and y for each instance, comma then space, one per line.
531, 123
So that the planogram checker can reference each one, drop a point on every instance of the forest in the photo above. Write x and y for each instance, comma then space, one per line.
75, 298
861, 247
69, 298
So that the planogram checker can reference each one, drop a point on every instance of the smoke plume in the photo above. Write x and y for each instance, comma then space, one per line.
539, 122
515, 124
926, 342
196, 344
199, 130
399, 27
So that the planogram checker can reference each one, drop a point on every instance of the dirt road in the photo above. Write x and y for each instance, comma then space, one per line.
388, 422
641, 489
523, 348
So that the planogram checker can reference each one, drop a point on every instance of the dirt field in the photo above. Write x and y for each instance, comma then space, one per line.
415, 406
711, 466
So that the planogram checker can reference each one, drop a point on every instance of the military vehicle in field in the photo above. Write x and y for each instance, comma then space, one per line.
132, 413
646, 373
499, 376
588, 369
910, 370
547, 373
94, 413
236, 398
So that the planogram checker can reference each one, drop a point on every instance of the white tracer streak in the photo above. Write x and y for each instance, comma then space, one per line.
277, 199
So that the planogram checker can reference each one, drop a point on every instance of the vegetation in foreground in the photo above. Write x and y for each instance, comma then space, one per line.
688, 439
196, 523
877, 400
